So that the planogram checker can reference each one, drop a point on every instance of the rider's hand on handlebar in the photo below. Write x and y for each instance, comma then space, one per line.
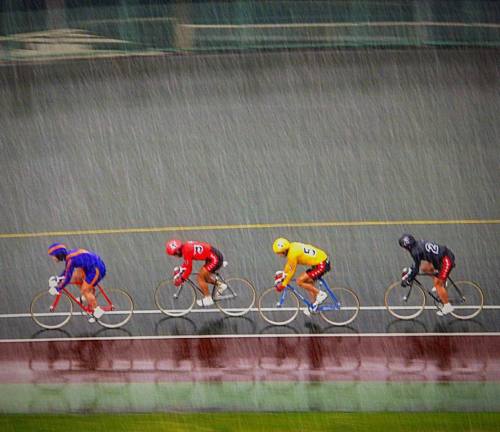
405, 277
53, 282
279, 277
279, 287
178, 279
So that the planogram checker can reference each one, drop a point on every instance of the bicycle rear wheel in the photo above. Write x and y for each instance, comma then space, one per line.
237, 299
342, 312
467, 299
404, 302
119, 312
174, 301
48, 317
275, 313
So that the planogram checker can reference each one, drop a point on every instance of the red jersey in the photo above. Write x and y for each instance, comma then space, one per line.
194, 250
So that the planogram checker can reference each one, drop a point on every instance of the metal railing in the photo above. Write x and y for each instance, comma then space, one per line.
242, 25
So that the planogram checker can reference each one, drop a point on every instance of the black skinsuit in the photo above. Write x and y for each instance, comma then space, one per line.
424, 250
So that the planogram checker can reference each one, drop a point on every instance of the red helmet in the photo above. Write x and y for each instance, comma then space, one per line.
173, 247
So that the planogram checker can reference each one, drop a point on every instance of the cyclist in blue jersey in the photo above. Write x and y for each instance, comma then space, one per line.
83, 268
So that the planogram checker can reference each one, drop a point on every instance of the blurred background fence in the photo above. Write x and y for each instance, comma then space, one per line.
58, 28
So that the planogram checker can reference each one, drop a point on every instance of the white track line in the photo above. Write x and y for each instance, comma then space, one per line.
158, 312
346, 24
252, 336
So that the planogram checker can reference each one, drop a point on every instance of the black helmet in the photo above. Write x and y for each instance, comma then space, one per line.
407, 241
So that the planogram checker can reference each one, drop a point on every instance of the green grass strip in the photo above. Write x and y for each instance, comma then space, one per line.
249, 396
256, 422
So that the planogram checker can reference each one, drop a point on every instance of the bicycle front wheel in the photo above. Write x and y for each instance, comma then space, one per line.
404, 302
342, 309
51, 312
467, 299
118, 307
174, 301
237, 299
278, 308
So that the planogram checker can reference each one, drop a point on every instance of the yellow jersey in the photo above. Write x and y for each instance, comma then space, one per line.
303, 254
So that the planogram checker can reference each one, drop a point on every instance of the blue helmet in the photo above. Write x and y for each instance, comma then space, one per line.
407, 241
58, 249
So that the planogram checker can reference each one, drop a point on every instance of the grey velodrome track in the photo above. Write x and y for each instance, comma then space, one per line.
253, 138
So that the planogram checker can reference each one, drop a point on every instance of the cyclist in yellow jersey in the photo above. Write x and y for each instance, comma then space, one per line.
302, 254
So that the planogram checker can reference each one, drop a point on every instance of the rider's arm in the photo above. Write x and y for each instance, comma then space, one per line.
187, 265
414, 269
290, 267
66, 274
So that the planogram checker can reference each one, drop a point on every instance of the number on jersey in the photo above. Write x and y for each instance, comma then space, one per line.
309, 251
432, 248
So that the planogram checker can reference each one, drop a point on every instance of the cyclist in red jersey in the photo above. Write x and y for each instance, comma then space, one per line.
197, 251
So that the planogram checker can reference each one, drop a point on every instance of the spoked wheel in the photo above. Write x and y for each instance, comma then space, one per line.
278, 308
343, 309
404, 302
49, 314
237, 299
467, 299
119, 312
174, 301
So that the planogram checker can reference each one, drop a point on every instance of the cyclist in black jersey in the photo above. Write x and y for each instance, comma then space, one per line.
429, 257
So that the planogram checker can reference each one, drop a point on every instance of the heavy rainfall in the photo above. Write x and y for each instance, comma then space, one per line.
237, 140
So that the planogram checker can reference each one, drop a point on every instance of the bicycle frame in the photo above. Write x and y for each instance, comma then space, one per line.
86, 309
434, 297
231, 293
309, 304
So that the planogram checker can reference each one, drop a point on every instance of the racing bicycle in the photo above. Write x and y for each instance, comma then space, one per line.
54, 311
408, 302
340, 308
236, 300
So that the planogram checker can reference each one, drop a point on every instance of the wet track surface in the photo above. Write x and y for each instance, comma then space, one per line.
214, 323
250, 139
430, 358
330, 373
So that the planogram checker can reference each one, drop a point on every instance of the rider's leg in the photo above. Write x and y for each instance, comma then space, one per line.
205, 278
88, 291
427, 267
446, 267
440, 279
77, 277
206, 275
441, 290
88, 286
306, 282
